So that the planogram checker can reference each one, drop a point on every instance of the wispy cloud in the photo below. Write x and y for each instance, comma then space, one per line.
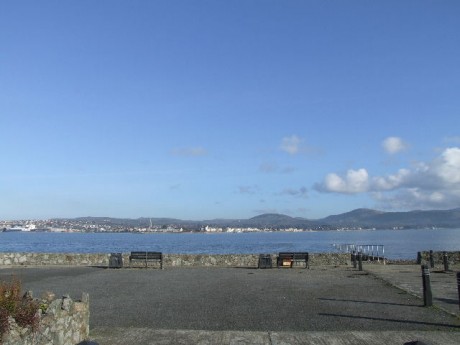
265, 210
393, 145
248, 189
452, 140
189, 151
174, 186
295, 145
301, 192
268, 167
434, 184
291, 144
274, 168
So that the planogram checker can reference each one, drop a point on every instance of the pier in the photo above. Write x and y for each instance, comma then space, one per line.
370, 252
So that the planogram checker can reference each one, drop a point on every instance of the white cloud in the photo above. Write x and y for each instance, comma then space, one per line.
448, 166
434, 184
391, 181
415, 198
394, 145
291, 145
355, 181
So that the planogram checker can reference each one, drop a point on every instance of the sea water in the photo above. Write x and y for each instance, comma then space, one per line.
398, 244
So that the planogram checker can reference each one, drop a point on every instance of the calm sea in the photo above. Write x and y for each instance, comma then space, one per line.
399, 244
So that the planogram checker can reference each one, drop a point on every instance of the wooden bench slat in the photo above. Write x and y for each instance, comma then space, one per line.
146, 257
292, 257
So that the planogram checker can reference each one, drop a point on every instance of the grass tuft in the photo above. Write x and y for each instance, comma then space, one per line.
24, 310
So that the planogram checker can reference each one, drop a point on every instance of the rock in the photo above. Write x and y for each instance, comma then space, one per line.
66, 303
28, 295
48, 296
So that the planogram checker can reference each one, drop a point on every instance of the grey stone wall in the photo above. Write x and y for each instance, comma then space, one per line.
64, 322
228, 260
71, 259
169, 260
330, 259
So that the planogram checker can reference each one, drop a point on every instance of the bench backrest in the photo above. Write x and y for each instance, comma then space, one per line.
294, 255
147, 255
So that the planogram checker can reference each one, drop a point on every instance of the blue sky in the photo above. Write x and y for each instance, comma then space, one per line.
228, 109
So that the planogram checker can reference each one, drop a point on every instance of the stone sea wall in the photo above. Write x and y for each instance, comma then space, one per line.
169, 260
453, 257
39, 259
63, 322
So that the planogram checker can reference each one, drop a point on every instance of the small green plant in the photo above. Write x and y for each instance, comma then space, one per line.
12, 304
43, 307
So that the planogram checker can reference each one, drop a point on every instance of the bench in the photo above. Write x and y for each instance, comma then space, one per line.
289, 259
146, 257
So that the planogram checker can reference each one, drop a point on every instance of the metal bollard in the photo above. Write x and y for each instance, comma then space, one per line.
427, 295
360, 261
445, 259
353, 258
458, 287
431, 259
419, 258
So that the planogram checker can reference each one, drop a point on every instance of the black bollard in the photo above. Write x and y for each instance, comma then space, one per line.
360, 261
431, 259
445, 259
427, 295
419, 258
353, 258
458, 287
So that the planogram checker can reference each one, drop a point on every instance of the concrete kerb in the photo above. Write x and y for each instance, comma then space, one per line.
123, 336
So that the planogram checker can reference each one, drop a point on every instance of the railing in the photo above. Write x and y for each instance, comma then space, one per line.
373, 252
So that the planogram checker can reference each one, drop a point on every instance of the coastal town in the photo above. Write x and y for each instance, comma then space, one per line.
359, 219
75, 225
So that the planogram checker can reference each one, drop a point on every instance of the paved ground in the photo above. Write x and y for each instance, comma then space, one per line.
246, 306
409, 278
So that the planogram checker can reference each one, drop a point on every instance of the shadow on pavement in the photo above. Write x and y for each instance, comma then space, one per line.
371, 302
391, 320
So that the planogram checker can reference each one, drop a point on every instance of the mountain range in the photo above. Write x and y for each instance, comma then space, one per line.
359, 218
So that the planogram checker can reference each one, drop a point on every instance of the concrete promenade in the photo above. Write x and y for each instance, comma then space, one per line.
322, 305
409, 278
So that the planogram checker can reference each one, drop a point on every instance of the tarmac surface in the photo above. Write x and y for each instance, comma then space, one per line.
409, 278
321, 305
